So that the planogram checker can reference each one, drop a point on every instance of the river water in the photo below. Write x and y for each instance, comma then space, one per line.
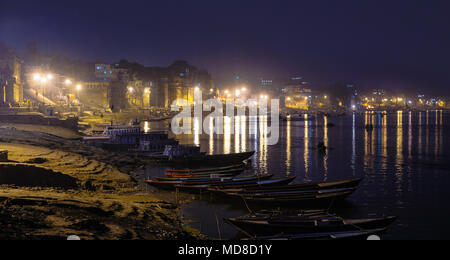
404, 161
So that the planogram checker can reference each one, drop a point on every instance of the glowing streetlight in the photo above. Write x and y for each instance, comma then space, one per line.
68, 82
49, 76
79, 87
130, 89
37, 77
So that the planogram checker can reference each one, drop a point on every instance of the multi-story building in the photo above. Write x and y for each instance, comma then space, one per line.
107, 72
162, 86
11, 80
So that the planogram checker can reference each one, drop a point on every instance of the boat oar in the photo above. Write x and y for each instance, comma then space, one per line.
248, 208
218, 227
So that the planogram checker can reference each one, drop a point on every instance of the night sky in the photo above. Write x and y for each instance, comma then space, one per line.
403, 44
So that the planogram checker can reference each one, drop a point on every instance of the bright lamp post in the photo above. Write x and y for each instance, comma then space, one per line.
42, 80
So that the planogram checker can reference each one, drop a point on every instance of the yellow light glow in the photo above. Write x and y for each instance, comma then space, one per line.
244, 89
49, 76
226, 91
197, 89
130, 89
79, 87
68, 82
37, 77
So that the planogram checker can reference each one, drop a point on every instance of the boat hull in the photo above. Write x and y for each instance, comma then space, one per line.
265, 227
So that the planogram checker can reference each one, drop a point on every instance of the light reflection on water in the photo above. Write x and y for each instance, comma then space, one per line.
403, 161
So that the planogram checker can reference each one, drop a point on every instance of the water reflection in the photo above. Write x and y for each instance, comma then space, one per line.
197, 131
325, 141
353, 160
211, 135
243, 129
227, 135
263, 127
399, 158
306, 147
288, 147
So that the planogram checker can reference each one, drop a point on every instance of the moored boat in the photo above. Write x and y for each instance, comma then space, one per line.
216, 181
253, 183
342, 184
269, 225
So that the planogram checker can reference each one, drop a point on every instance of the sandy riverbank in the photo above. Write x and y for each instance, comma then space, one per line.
73, 189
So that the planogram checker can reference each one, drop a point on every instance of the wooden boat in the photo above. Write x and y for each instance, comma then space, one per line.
297, 198
173, 183
342, 235
209, 174
193, 171
253, 183
267, 225
202, 178
350, 183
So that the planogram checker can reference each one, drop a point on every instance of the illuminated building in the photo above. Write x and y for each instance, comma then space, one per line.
11, 84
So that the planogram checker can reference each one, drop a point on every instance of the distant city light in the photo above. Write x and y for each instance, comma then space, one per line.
36, 77
68, 82
79, 87
49, 76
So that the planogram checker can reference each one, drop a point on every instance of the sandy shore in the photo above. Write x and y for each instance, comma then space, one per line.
74, 189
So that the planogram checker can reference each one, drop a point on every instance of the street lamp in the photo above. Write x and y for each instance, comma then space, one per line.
68, 82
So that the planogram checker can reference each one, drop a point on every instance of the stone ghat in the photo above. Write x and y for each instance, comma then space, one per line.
70, 123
